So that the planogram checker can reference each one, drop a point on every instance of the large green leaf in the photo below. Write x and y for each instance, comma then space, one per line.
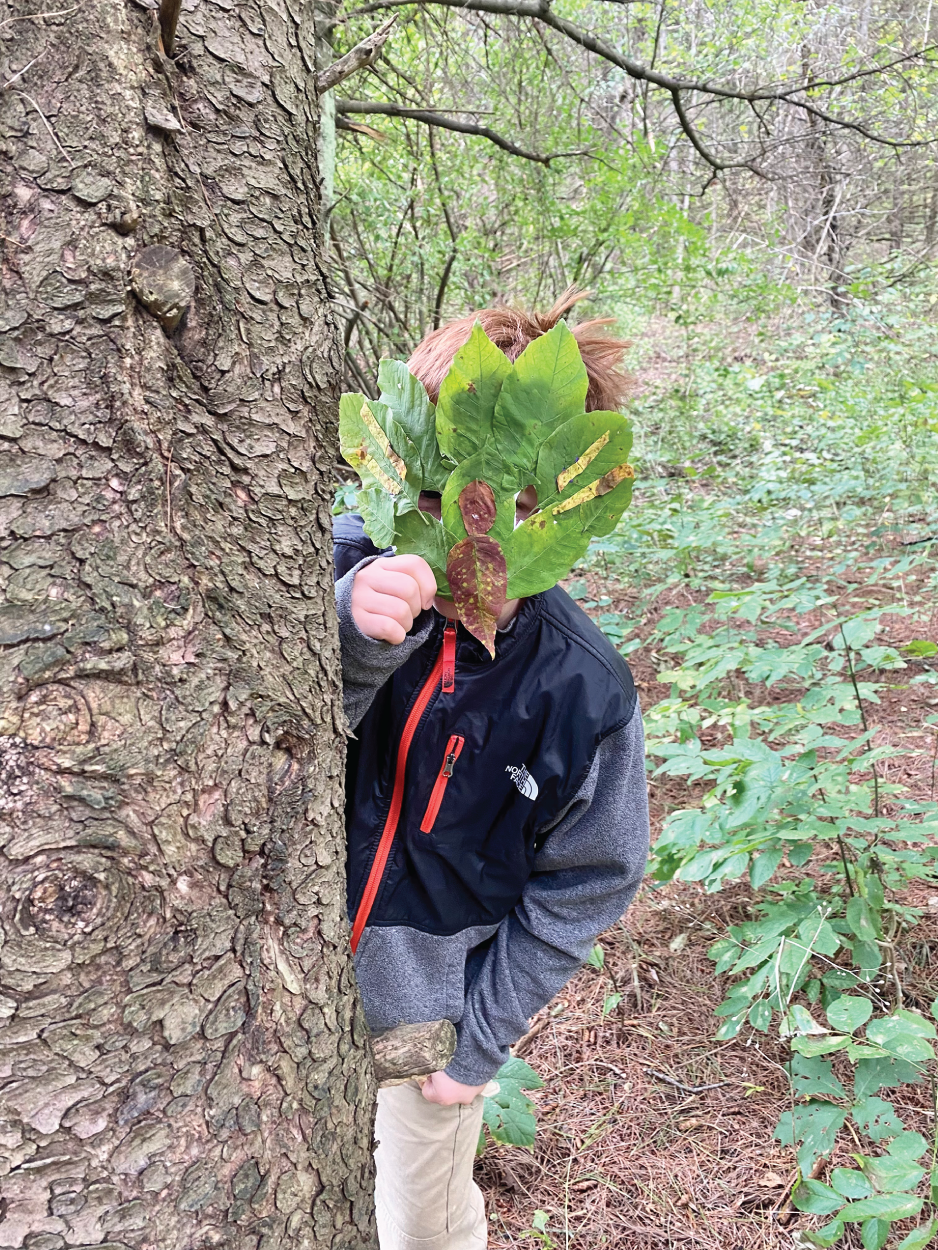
848, 1012
545, 387
377, 448
812, 1127
468, 393
904, 1034
919, 1237
407, 398
509, 1114
882, 1206
815, 1198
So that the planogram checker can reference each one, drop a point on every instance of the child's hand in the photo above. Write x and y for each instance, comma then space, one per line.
389, 594
443, 1089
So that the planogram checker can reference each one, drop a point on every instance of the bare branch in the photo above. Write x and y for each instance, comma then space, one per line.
364, 53
782, 94
447, 123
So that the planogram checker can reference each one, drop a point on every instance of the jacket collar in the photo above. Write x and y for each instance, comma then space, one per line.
470, 651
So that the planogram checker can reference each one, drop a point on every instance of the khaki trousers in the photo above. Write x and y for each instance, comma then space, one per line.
425, 1196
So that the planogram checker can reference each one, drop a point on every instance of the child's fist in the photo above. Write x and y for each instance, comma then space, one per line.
389, 594
442, 1089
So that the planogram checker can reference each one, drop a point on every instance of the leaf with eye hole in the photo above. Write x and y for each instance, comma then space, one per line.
497, 428
478, 580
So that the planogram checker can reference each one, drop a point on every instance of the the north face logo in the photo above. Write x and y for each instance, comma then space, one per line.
523, 780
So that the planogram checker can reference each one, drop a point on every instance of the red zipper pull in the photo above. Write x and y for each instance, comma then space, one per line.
453, 749
449, 657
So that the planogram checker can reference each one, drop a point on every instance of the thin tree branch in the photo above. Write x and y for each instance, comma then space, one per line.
447, 123
540, 9
364, 53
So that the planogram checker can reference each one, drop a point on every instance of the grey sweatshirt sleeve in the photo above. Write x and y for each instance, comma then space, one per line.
367, 663
585, 876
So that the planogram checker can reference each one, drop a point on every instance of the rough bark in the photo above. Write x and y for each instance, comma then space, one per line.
183, 1062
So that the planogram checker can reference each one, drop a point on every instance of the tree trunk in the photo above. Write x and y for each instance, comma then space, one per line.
183, 1060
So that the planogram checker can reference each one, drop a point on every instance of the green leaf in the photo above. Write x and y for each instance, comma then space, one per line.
921, 647
367, 445
407, 398
578, 455
882, 1206
847, 1013
377, 512
515, 1071
903, 1034
545, 387
760, 1015
420, 534
850, 1183
538, 548
919, 1237
874, 1232
829, 1235
871, 1075
811, 1076
597, 957
610, 1003
908, 1146
816, 1199
877, 1118
863, 920
798, 1020
888, 1172
509, 1114
468, 394
815, 1126
867, 956
764, 865
811, 1046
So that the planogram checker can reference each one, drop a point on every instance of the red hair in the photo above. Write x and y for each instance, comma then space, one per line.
512, 330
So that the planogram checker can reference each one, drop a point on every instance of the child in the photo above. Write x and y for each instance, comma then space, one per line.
497, 817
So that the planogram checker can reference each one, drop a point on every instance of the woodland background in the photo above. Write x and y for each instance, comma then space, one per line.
773, 265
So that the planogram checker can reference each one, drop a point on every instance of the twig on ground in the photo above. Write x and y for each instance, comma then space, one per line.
687, 1089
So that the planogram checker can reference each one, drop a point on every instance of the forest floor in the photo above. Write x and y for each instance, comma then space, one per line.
650, 1132
632, 1150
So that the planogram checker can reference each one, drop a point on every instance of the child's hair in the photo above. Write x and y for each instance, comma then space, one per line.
512, 330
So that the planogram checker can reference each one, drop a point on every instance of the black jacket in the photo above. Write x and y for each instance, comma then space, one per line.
443, 844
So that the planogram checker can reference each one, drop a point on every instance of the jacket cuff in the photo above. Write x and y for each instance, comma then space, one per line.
476, 1059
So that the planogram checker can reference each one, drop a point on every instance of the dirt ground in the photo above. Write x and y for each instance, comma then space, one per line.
651, 1133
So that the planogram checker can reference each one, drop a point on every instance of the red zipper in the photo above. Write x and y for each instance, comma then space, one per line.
453, 750
449, 657
438, 672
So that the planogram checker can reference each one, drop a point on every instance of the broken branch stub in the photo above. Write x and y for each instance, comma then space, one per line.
413, 1050
164, 283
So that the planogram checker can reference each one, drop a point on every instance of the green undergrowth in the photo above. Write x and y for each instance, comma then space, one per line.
776, 562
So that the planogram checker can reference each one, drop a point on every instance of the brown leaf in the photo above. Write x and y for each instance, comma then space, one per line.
477, 505
478, 579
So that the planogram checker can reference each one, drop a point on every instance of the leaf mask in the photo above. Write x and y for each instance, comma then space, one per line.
497, 428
